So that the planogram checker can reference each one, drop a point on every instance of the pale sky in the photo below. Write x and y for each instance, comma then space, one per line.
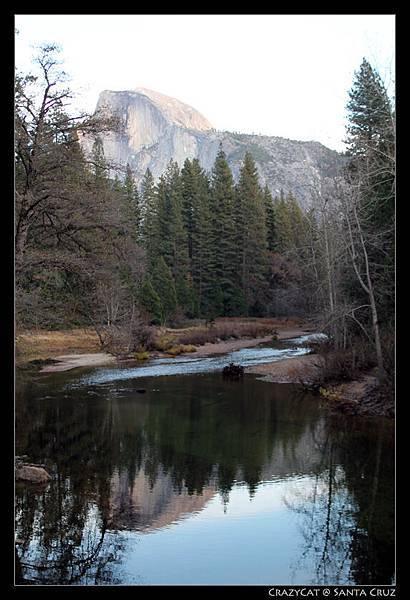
283, 75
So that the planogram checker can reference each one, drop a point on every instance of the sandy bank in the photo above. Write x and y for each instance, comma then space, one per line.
71, 361
298, 369
224, 347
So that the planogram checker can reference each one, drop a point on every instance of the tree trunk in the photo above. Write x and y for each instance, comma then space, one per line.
370, 290
20, 243
367, 286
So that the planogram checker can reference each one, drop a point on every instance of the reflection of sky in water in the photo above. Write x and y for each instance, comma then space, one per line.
298, 489
185, 364
211, 540
248, 539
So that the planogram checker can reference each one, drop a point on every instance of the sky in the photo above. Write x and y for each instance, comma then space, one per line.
280, 75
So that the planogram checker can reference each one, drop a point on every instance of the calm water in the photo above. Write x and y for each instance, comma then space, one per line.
199, 481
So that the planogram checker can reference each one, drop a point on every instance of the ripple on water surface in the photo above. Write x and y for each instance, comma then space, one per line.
189, 365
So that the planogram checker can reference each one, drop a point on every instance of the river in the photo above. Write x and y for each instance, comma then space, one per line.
199, 480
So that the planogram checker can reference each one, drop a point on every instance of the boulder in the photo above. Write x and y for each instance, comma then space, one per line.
32, 474
233, 371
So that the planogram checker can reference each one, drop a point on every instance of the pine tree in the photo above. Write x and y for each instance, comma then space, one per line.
298, 224
164, 285
270, 218
371, 126
131, 204
224, 249
371, 147
99, 162
251, 235
150, 300
173, 243
196, 215
189, 185
149, 217
291, 225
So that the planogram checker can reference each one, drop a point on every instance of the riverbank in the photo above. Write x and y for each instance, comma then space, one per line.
223, 347
64, 350
360, 396
53, 352
297, 369
47, 345
73, 361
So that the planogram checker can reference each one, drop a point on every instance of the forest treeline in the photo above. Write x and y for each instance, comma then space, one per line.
213, 247
93, 250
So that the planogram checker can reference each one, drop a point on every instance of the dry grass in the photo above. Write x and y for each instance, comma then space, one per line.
226, 329
181, 349
34, 345
37, 345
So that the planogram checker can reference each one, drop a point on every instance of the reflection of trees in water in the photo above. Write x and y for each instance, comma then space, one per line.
62, 528
83, 555
194, 432
211, 433
326, 520
347, 512
62, 536
368, 463
232, 428
219, 440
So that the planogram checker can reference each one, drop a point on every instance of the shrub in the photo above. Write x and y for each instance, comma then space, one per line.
163, 342
344, 364
181, 349
330, 394
120, 340
225, 331
141, 356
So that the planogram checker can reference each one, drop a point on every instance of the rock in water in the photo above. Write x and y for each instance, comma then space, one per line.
233, 371
32, 474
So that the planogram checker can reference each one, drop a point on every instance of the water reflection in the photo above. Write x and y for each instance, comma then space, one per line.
126, 466
347, 514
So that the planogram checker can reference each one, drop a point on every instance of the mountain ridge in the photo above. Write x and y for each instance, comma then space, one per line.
157, 128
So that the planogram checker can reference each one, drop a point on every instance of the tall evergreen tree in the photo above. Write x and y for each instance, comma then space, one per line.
251, 235
370, 117
149, 217
132, 204
270, 218
173, 235
224, 248
371, 170
196, 215
371, 145
164, 286
290, 224
189, 183
99, 162
150, 300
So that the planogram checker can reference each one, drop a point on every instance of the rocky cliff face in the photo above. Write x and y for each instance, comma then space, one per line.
157, 128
